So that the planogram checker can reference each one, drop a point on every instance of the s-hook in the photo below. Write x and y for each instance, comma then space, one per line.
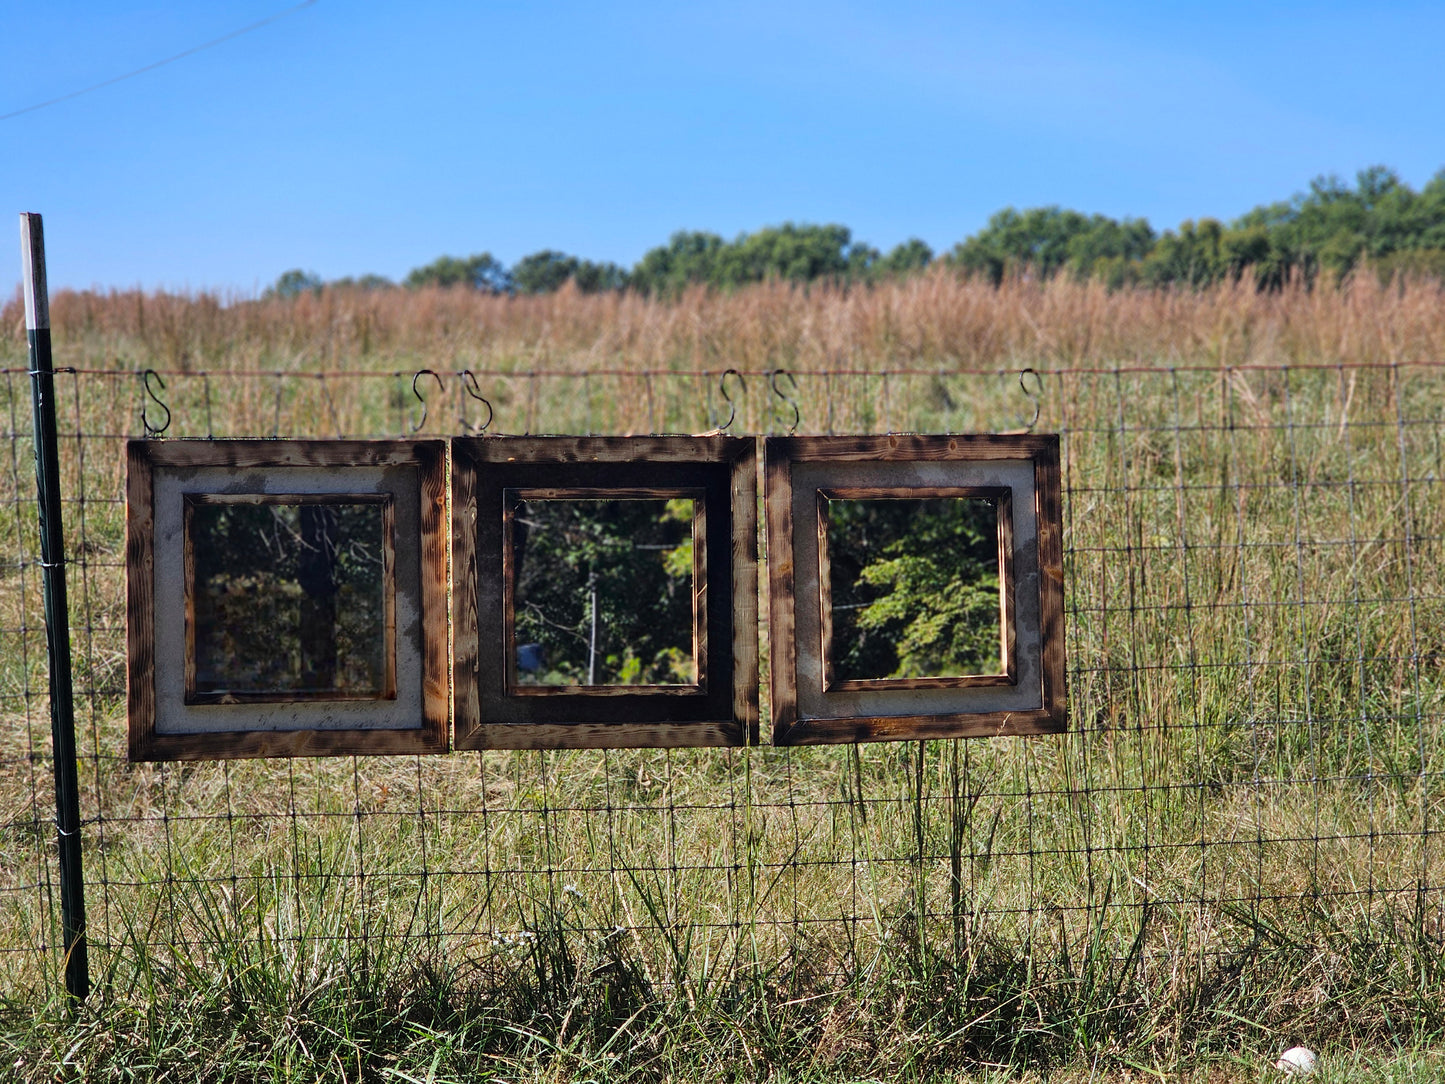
1034, 396
441, 386
145, 379
722, 386
471, 388
788, 399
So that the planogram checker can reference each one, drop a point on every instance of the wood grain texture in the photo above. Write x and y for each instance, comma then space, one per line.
1048, 494
289, 453
488, 474
238, 744
139, 601
431, 461
465, 707
744, 498
678, 449
920, 727
910, 448
782, 634
606, 735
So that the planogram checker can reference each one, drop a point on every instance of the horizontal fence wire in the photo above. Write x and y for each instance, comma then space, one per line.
1255, 640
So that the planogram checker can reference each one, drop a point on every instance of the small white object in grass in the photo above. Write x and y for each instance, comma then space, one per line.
1296, 1061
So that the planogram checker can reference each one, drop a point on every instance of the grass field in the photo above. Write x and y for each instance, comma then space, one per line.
1235, 849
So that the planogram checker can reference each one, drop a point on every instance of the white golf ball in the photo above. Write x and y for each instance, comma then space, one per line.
1296, 1061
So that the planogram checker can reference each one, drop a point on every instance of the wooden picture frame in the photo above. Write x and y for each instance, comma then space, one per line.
402, 707
1020, 476
490, 477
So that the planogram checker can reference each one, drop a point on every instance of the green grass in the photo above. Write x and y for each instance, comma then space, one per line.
1233, 850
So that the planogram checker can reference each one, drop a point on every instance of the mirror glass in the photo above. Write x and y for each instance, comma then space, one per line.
602, 592
914, 586
288, 598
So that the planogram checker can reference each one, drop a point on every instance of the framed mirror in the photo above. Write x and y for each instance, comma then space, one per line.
286, 598
605, 591
915, 587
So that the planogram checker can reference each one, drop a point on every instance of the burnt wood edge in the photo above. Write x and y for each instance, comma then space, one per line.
1049, 513
606, 690
911, 448
699, 593
560, 449
825, 587
465, 642
435, 580
710, 734
140, 603
744, 499
1008, 587
288, 453
782, 646
856, 729
238, 744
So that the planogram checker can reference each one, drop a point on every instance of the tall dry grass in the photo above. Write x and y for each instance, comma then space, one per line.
935, 319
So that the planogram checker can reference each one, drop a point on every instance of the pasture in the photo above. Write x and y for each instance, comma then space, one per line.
1234, 849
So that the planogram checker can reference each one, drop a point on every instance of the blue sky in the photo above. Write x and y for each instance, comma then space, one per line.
354, 137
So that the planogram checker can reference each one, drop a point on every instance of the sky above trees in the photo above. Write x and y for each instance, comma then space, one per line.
354, 138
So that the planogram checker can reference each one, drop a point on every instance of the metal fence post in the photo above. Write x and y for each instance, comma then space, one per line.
57, 608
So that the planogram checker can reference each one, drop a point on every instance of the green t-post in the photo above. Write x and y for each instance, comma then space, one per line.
57, 609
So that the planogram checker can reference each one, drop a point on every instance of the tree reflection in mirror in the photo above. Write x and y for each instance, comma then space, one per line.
913, 587
603, 592
289, 597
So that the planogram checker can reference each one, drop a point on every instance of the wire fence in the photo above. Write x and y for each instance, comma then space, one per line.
1250, 781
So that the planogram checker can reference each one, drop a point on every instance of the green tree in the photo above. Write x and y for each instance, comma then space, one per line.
294, 283
547, 271
478, 272
914, 587
362, 282
629, 563
903, 259
688, 258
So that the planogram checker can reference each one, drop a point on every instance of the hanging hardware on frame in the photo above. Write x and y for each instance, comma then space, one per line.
785, 398
441, 386
1035, 396
153, 430
474, 391
722, 386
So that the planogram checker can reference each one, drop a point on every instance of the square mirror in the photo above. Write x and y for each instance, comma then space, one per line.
914, 587
289, 597
606, 591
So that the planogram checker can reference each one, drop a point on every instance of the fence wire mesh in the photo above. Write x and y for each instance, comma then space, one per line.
1255, 640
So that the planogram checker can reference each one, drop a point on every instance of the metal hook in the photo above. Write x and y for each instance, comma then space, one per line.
1033, 396
722, 386
153, 430
472, 388
419, 426
773, 385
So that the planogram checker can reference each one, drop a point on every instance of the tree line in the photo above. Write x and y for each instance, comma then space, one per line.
1326, 232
